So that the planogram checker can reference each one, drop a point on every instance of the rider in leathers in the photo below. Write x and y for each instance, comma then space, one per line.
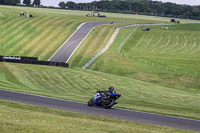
106, 93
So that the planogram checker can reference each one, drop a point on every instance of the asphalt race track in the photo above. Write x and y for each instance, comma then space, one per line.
64, 53
137, 116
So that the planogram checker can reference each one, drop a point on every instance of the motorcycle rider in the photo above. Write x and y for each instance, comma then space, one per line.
106, 93
110, 90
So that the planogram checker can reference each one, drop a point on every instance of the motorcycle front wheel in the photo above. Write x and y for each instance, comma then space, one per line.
90, 102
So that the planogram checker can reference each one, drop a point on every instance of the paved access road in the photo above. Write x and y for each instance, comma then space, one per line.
137, 116
64, 53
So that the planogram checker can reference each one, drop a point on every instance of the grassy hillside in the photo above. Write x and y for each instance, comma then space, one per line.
42, 35
165, 57
80, 85
19, 117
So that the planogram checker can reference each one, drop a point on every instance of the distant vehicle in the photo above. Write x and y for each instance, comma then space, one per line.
88, 15
173, 20
146, 29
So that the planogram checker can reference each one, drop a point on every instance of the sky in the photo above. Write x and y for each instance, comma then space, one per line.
55, 2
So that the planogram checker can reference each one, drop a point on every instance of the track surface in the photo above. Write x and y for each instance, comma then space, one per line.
137, 116
67, 49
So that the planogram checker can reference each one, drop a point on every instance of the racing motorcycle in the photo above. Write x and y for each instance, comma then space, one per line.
105, 99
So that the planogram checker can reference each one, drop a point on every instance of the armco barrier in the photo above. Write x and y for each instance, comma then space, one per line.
31, 60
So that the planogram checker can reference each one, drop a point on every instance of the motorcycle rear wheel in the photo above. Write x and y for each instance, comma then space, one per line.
112, 102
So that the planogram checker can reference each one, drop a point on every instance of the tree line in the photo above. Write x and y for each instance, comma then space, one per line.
18, 2
136, 6
147, 7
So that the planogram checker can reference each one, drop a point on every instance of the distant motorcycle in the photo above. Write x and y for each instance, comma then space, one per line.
104, 99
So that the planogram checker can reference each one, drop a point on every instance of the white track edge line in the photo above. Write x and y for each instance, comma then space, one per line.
80, 44
101, 51
157, 114
42, 96
66, 40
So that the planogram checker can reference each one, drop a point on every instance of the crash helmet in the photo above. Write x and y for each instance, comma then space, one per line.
111, 89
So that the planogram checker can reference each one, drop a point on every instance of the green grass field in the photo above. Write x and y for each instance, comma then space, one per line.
164, 57
19, 117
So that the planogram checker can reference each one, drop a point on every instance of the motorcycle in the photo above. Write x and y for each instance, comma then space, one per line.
105, 99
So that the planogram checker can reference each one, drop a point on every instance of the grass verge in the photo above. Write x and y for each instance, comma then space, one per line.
20, 117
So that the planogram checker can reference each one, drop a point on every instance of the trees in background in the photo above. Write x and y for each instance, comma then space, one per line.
70, 5
36, 3
9, 2
27, 2
62, 5
196, 11
137, 6
124, 6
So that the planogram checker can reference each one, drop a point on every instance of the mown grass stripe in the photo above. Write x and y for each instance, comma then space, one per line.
38, 50
138, 43
189, 45
63, 85
42, 44
197, 48
53, 81
175, 44
17, 25
192, 48
158, 42
24, 28
151, 37
37, 78
39, 40
182, 46
154, 41
22, 44
8, 23
164, 46
55, 43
